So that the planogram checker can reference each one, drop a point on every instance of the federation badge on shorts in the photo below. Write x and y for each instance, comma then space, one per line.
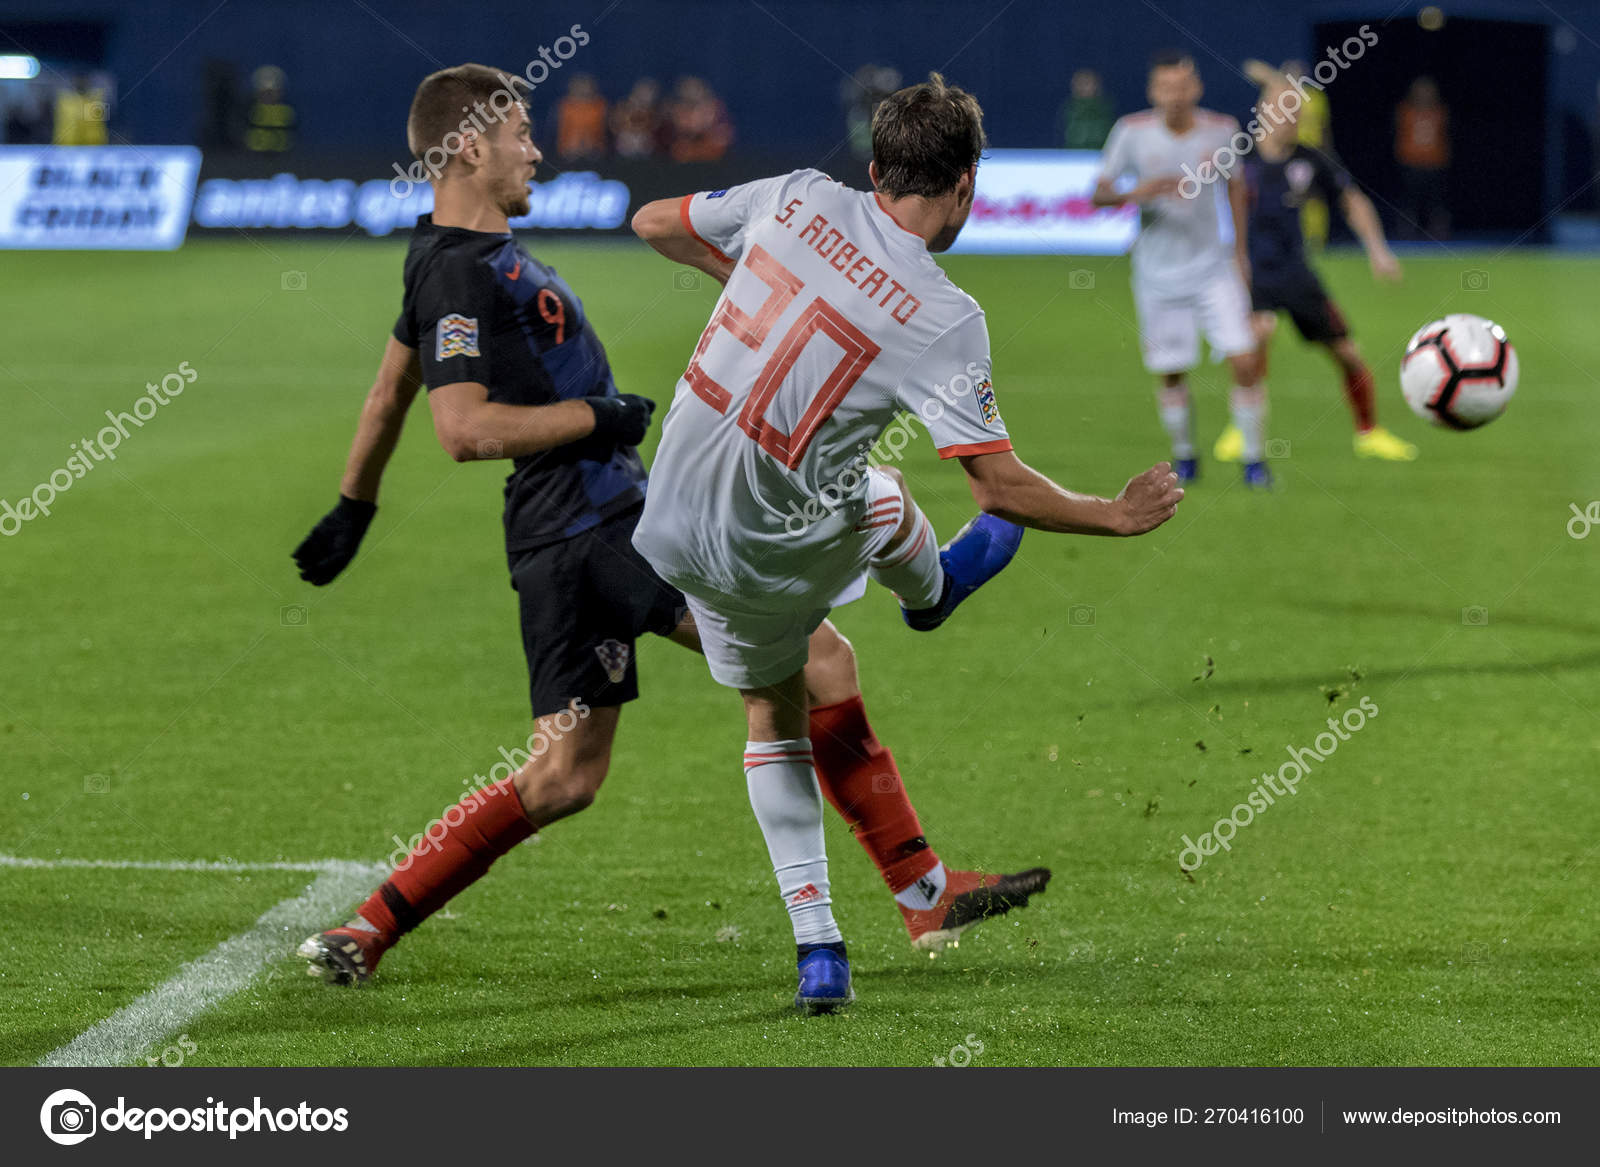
986, 402
457, 336
613, 656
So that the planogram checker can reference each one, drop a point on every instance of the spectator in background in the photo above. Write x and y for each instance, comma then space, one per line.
27, 122
271, 119
581, 120
82, 110
222, 115
701, 131
860, 95
1422, 147
1087, 116
636, 121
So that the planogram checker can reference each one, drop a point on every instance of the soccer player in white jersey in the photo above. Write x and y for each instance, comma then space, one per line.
834, 318
1186, 280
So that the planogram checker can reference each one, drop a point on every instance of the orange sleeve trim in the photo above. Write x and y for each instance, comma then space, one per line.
999, 446
688, 225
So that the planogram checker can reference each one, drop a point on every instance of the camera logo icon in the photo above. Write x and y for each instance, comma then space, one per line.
293, 615
1475, 616
67, 1117
293, 281
885, 784
1081, 615
1474, 280
1278, 448
491, 448
1080, 280
686, 281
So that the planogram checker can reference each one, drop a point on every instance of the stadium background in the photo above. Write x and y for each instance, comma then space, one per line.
1520, 78
170, 695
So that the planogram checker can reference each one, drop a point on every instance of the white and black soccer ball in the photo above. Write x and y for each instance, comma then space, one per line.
1459, 372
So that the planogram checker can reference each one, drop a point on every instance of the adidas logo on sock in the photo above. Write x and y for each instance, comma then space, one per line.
806, 894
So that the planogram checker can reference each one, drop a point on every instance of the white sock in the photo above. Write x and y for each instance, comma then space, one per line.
925, 893
912, 570
1249, 410
1176, 417
788, 805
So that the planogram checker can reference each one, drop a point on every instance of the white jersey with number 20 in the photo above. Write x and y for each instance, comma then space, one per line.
834, 320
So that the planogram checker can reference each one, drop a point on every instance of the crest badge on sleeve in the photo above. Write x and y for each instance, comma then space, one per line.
457, 337
613, 656
986, 402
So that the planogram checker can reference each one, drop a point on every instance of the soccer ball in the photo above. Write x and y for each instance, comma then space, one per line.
1459, 372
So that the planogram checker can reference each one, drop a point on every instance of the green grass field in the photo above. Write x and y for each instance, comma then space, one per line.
169, 690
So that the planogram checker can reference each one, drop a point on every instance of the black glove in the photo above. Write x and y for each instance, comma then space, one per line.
623, 419
332, 544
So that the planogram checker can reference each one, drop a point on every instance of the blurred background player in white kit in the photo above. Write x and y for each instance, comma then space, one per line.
1186, 279
835, 317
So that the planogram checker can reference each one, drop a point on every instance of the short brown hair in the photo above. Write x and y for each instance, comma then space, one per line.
925, 137
444, 104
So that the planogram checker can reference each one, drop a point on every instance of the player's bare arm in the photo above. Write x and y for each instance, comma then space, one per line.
1364, 222
333, 542
383, 416
1007, 487
1239, 206
472, 428
663, 225
1106, 193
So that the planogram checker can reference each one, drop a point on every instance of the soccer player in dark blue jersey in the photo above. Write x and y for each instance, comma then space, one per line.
1280, 176
514, 370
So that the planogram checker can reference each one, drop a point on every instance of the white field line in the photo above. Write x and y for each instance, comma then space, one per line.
311, 865
123, 1038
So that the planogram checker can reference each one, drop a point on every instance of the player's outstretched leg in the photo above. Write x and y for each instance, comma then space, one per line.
930, 581
456, 849
788, 806
858, 775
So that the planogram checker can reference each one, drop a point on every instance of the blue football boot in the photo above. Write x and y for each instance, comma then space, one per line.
1257, 476
975, 556
824, 979
1188, 470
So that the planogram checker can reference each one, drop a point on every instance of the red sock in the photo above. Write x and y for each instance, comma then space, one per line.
858, 775
1358, 392
449, 856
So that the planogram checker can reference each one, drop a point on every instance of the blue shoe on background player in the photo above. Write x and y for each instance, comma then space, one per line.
975, 556
1257, 476
1188, 469
824, 979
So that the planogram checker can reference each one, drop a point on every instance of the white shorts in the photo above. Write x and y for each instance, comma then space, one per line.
1170, 322
753, 641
